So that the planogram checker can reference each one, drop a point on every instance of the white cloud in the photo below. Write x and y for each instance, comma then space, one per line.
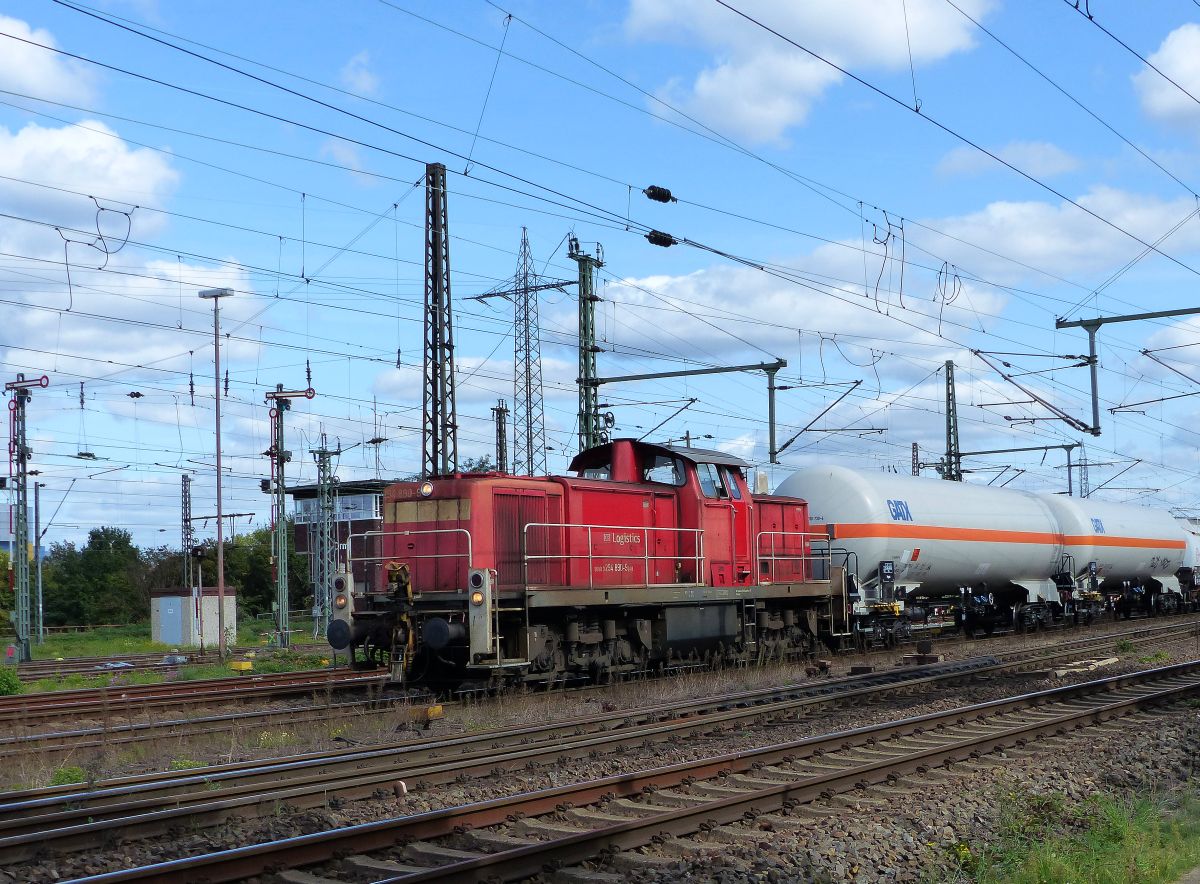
36, 71
86, 159
698, 314
357, 76
139, 302
1060, 238
342, 152
1039, 158
1179, 58
758, 85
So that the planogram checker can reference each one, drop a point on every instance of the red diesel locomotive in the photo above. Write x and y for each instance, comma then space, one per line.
650, 556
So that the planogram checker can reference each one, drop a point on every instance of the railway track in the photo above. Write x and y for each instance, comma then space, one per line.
80, 741
99, 738
39, 669
30, 709
72, 818
519, 836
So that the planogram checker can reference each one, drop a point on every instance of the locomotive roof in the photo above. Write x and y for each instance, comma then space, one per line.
601, 454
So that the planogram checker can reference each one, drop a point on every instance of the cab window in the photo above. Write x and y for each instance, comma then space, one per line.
710, 480
731, 475
601, 471
665, 470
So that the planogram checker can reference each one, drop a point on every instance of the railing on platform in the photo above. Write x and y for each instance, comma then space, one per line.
351, 559
640, 534
809, 562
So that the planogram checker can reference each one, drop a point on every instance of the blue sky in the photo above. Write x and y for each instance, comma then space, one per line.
892, 245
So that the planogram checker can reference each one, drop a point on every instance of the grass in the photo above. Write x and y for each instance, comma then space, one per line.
79, 680
186, 764
1124, 646
115, 641
282, 662
112, 641
66, 776
1101, 841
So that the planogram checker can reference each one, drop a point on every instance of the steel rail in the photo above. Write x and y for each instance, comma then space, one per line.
75, 742
72, 819
1034, 714
915, 677
113, 734
26, 708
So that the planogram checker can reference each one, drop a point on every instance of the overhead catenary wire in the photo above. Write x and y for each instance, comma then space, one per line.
1033, 179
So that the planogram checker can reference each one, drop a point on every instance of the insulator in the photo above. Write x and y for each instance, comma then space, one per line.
659, 194
658, 238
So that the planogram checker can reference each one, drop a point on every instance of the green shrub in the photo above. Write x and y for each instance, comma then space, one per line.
275, 739
10, 682
185, 764
1124, 646
66, 776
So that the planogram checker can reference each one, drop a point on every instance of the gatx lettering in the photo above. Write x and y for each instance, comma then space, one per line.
900, 511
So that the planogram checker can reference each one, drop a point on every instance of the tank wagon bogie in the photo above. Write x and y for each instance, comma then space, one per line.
650, 556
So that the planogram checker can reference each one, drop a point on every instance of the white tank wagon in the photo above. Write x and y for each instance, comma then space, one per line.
922, 548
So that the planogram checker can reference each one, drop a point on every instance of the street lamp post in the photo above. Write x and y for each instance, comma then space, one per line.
215, 296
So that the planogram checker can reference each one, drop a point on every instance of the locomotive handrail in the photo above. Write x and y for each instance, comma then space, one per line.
807, 555
644, 557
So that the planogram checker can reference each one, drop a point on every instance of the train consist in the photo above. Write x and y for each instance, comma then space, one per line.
655, 556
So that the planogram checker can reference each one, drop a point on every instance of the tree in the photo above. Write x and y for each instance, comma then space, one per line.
104, 582
481, 464
248, 566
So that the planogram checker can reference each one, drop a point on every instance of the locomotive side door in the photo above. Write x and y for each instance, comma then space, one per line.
664, 543
728, 530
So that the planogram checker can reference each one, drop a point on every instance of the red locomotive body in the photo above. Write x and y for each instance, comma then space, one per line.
649, 555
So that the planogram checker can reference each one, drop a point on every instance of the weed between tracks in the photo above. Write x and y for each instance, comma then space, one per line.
1043, 839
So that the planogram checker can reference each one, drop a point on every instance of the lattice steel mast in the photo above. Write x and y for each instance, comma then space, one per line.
277, 487
187, 538
952, 469
529, 416
500, 416
18, 469
589, 390
325, 552
439, 428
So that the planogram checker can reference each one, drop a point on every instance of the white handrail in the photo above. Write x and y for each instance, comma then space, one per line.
351, 558
772, 558
644, 556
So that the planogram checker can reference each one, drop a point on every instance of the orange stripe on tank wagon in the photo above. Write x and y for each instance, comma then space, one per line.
850, 530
